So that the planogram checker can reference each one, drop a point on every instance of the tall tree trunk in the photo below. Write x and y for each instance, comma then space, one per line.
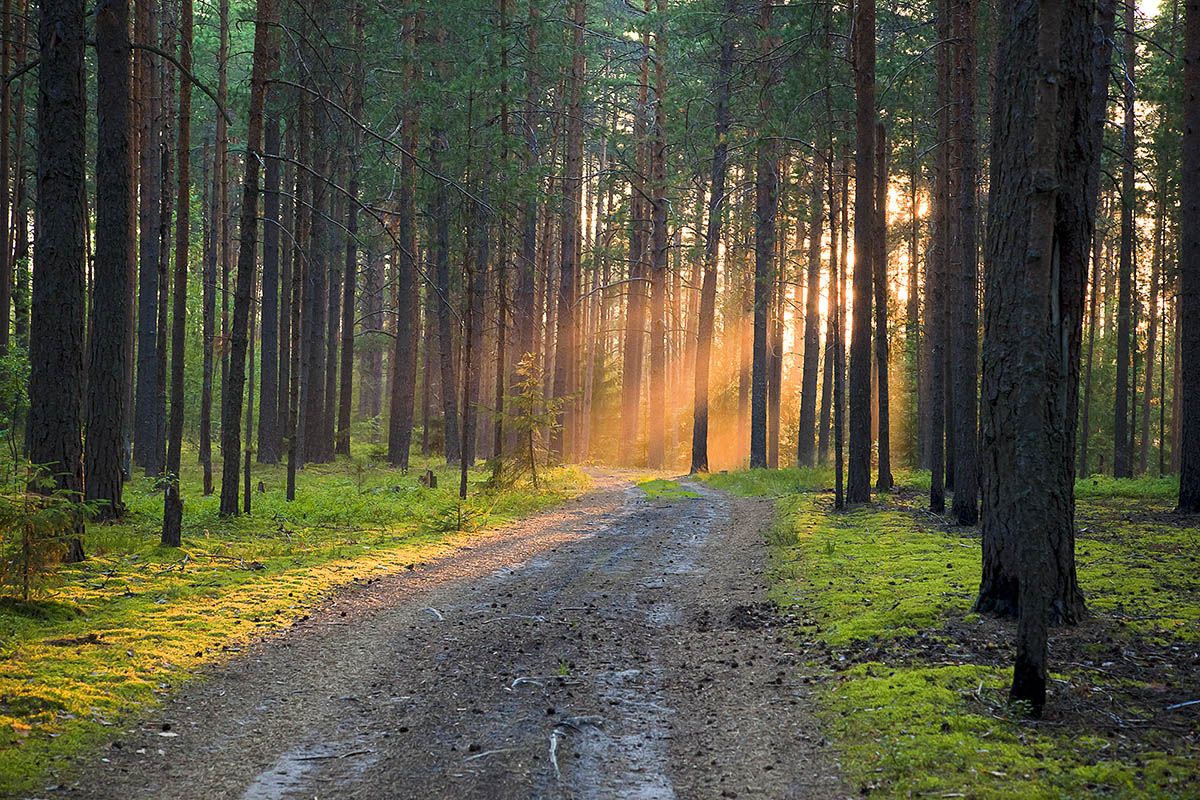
56, 330
936, 296
316, 285
6, 276
884, 482
475, 284
440, 217
404, 354
838, 300
1122, 449
913, 336
208, 304
812, 322
287, 225
766, 202
104, 455
502, 359
1085, 425
172, 530
775, 322
858, 479
964, 267
224, 215
298, 133
333, 317
1189, 273
566, 333
145, 446
1084, 86
265, 57
657, 422
57, 323
712, 245
835, 211
524, 317
635, 309
268, 427
1038, 237
1152, 323
350, 278
168, 28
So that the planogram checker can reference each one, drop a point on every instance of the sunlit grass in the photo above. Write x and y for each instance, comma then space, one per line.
872, 587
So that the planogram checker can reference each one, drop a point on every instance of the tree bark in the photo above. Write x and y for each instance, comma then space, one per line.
172, 531
104, 456
964, 267
268, 427
56, 330
404, 354
884, 481
440, 216
635, 308
858, 479
145, 432
712, 245
1036, 250
567, 328
1122, 448
935, 290
766, 202
1189, 272
812, 322
264, 60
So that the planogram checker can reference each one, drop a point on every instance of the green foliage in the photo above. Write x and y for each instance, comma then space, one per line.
772, 482
37, 521
532, 419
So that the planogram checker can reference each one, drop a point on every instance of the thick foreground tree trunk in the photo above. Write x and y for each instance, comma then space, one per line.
1041, 155
1189, 294
56, 326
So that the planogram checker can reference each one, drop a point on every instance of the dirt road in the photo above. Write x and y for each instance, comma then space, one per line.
615, 648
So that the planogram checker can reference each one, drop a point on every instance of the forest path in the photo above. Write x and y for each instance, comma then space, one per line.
613, 648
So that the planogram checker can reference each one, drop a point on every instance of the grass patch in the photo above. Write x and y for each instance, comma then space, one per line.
134, 622
912, 685
771, 482
663, 489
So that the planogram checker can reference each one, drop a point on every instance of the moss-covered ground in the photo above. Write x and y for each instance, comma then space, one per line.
912, 686
665, 489
107, 637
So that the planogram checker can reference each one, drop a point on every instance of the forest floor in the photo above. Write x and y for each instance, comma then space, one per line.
912, 687
620, 646
734, 637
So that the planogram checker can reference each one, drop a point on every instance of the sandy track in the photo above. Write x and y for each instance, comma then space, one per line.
614, 648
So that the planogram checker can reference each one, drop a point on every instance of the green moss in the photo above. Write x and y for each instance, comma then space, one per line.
878, 591
771, 482
662, 489
130, 625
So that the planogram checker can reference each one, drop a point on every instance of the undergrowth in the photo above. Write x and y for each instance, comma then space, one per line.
912, 686
132, 623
